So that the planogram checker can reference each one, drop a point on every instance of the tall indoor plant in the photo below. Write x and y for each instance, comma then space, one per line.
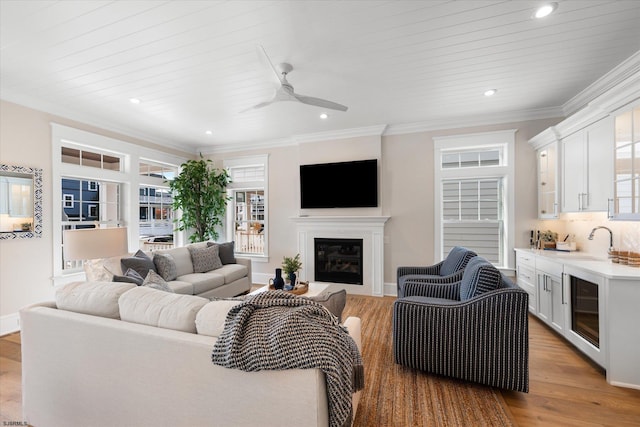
199, 191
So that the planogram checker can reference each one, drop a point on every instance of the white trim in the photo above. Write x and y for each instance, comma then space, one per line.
9, 323
504, 138
368, 228
628, 69
340, 134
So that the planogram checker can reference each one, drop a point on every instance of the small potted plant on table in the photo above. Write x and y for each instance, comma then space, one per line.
290, 266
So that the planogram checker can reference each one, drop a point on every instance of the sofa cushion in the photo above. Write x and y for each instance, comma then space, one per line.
332, 301
204, 258
226, 251
479, 276
94, 298
203, 282
161, 309
139, 262
180, 287
155, 281
232, 272
165, 266
210, 319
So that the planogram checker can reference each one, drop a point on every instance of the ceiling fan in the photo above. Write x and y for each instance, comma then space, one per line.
285, 91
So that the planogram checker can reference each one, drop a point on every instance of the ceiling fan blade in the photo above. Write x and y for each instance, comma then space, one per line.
260, 105
264, 58
320, 102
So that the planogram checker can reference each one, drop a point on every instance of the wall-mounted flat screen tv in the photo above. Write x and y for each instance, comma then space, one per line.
351, 184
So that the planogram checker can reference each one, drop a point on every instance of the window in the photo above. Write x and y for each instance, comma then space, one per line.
101, 181
156, 213
474, 194
67, 200
247, 222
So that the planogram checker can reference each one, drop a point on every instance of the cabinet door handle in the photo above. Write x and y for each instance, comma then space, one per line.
562, 290
579, 201
610, 213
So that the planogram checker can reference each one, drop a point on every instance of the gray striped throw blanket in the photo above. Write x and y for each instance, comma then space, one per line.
277, 330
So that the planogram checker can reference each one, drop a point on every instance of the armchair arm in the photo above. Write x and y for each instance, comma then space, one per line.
432, 270
433, 289
484, 339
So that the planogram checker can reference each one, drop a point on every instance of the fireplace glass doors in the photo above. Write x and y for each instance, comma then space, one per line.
338, 260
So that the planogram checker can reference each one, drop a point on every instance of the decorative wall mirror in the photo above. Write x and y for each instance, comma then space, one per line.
20, 202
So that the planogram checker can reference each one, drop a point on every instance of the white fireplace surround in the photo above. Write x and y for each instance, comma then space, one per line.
368, 228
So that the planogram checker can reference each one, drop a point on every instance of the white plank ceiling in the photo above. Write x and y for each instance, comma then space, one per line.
193, 64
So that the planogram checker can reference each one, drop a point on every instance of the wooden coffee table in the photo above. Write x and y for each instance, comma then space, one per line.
315, 289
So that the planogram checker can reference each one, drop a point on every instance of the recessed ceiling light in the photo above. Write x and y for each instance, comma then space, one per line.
134, 101
209, 132
324, 116
545, 10
490, 92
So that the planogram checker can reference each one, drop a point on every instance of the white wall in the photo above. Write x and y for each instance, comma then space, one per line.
26, 265
406, 190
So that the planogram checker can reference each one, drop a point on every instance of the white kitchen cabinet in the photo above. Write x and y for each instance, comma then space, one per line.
526, 274
626, 199
552, 306
548, 181
587, 167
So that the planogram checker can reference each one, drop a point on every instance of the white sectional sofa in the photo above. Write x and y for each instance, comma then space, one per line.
107, 354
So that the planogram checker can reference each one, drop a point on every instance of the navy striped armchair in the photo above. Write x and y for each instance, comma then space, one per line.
475, 329
447, 271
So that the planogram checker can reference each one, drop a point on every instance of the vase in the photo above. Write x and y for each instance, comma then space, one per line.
278, 281
292, 279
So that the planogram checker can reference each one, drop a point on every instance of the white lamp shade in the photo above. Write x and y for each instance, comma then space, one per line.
92, 243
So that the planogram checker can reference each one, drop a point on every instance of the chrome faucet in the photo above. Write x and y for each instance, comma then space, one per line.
610, 235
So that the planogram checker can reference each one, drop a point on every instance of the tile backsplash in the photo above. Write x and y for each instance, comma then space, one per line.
626, 234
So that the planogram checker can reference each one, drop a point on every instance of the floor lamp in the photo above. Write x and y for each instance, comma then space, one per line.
92, 244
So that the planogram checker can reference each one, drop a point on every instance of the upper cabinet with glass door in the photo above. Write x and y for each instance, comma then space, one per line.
626, 201
546, 145
548, 181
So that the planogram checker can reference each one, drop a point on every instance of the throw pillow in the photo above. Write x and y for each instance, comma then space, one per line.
479, 277
130, 276
204, 258
333, 301
139, 262
155, 281
165, 266
226, 252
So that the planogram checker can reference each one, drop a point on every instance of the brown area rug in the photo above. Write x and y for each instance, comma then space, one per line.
395, 395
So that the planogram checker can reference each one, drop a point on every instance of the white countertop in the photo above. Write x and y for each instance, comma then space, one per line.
601, 266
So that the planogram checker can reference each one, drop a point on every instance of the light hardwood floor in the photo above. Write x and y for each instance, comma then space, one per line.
566, 389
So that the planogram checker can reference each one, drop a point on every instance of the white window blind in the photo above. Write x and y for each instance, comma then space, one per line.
472, 216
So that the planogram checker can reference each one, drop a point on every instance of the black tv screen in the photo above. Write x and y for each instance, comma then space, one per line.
339, 185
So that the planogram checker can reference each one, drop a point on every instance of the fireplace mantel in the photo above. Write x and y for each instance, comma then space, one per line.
368, 228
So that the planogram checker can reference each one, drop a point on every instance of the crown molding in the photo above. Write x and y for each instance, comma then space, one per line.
297, 139
546, 137
623, 71
377, 130
465, 122
254, 145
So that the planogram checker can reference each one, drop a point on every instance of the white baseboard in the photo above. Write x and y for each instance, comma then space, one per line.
261, 278
9, 323
390, 290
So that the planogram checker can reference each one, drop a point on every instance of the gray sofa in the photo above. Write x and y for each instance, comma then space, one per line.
205, 269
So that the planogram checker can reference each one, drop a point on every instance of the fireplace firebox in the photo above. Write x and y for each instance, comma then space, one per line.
338, 260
